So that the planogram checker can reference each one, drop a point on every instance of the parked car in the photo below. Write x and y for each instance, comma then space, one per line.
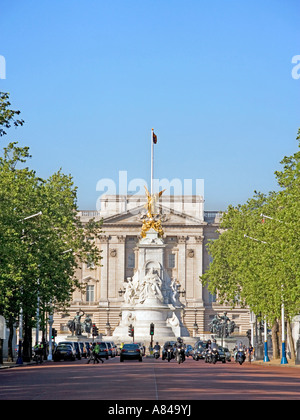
83, 349
76, 347
142, 348
64, 352
109, 348
131, 352
115, 349
88, 348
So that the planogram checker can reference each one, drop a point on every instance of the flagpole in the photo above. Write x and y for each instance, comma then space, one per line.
152, 160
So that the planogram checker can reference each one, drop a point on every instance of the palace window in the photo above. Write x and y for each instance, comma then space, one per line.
171, 261
90, 293
131, 260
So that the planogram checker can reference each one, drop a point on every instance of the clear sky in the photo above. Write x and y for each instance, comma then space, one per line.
213, 78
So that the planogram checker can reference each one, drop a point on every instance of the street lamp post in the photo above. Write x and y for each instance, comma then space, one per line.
266, 357
252, 322
20, 352
49, 358
283, 348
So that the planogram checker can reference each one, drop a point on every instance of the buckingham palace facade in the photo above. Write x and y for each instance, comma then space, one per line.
187, 231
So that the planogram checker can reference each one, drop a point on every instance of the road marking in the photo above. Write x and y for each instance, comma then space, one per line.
155, 383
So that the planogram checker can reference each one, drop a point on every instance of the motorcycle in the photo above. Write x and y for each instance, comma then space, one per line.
208, 356
180, 355
38, 356
156, 354
240, 357
170, 354
214, 355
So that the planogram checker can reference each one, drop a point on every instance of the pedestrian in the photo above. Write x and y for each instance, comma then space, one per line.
38, 352
250, 351
92, 356
96, 352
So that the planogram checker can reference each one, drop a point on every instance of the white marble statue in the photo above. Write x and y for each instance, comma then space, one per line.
150, 287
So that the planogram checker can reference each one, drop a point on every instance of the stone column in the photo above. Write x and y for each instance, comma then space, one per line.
198, 263
182, 278
104, 241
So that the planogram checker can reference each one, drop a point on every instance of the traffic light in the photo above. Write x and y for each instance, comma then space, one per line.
248, 333
54, 334
94, 330
151, 328
131, 331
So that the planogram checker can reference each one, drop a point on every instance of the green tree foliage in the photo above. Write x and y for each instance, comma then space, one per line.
38, 255
262, 269
7, 115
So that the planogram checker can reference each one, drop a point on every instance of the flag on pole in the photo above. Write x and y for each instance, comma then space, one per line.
154, 138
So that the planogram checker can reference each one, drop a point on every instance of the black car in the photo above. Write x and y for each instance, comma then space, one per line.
221, 356
64, 352
199, 353
131, 352
76, 347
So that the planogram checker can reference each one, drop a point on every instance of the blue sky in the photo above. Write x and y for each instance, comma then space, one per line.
213, 78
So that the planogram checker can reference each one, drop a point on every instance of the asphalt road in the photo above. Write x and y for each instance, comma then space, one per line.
152, 379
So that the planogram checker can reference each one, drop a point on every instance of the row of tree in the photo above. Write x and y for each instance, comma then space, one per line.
256, 259
42, 240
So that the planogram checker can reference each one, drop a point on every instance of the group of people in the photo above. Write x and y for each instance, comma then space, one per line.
93, 355
39, 352
239, 347
248, 351
172, 348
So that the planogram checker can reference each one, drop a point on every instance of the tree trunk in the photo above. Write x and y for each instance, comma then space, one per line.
27, 344
1, 351
10, 356
291, 340
275, 343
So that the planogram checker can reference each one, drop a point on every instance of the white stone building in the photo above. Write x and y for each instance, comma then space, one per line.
187, 230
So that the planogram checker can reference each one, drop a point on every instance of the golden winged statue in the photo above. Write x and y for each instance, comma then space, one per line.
151, 204
151, 221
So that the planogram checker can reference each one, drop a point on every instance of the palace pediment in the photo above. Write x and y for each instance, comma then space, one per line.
168, 217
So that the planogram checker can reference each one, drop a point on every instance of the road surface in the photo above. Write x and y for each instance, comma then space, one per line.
152, 379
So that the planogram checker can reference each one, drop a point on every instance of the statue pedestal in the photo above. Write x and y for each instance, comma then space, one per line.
151, 297
77, 338
167, 324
